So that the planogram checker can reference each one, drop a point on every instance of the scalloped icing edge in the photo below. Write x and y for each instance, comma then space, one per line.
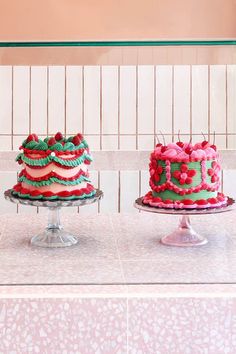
85, 193
150, 200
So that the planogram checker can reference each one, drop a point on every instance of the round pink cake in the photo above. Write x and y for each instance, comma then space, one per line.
54, 168
185, 176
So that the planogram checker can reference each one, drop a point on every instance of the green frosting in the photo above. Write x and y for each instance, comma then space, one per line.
69, 146
46, 160
55, 197
52, 180
58, 147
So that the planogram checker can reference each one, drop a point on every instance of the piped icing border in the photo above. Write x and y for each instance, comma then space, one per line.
53, 174
157, 202
82, 193
45, 161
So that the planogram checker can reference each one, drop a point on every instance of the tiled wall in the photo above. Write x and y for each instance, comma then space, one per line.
117, 108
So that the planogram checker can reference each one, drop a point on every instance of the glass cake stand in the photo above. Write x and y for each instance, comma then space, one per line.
184, 235
54, 234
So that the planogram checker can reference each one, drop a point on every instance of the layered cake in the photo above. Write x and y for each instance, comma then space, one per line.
55, 168
183, 175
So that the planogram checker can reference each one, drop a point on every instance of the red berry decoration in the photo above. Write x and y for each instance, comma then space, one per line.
32, 137
163, 149
80, 136
213, 147
51, 141
188, 150
76, 140
58, 136
158, 145
204, 143
180, 144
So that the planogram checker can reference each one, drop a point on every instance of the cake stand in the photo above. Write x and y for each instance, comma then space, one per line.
184, 235
54, 234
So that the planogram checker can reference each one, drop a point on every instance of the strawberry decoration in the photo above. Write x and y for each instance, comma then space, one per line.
32, 137
58, 136
77, 139
184, 176
52, 141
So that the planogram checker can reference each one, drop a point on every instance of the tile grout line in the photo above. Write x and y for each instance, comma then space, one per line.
65, 99
47, 100
30, 101
226, 107
118, 103
172, 103
12, 106
209, 103
101, 118
136, 99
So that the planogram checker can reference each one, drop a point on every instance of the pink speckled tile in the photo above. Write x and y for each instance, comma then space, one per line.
180, 326
63, 326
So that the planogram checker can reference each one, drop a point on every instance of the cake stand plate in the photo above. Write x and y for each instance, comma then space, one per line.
54, 234
184, 235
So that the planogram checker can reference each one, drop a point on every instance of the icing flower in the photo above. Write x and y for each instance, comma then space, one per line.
213, 172
184, 176
155, 170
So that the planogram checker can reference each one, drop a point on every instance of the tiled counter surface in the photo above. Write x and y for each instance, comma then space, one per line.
119, 290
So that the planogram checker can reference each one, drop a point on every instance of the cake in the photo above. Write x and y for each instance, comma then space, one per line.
185, 176
55, 168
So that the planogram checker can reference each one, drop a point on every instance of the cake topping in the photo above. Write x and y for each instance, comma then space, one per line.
58, 136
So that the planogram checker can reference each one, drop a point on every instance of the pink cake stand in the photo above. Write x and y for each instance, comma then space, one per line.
54, 235
184, 235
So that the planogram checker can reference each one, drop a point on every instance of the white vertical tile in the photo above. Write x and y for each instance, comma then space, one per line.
39, 99
92, 99
232, 141
109, 99
8, 180
229, 188
145, 99
182, 98
56, 99
93, 142
109, 142
145, 142
164, 98
128, 142
21, 90
199, 99
5, 99
17, 141
218, 98
220, 141
74, 99
109, 185
129, 190
91, 208
145, 182
5, 142
127, 99
231, 93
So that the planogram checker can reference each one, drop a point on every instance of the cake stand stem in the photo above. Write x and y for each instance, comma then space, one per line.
184, 235
54, 235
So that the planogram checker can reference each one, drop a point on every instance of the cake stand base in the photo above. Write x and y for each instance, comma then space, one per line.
54, 235
184, 235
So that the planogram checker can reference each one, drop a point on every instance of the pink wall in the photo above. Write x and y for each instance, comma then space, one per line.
116, 20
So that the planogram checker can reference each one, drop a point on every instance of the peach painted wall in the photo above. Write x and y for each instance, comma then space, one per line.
116, 20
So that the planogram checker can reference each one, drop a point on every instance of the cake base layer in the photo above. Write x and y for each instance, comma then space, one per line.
81, 193
157, 202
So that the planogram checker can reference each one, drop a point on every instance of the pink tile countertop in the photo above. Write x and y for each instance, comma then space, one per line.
119, 290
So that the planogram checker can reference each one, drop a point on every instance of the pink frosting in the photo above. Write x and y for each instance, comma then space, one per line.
186, 153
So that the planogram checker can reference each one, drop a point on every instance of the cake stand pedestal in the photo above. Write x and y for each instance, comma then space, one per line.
54, 235
184, 235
